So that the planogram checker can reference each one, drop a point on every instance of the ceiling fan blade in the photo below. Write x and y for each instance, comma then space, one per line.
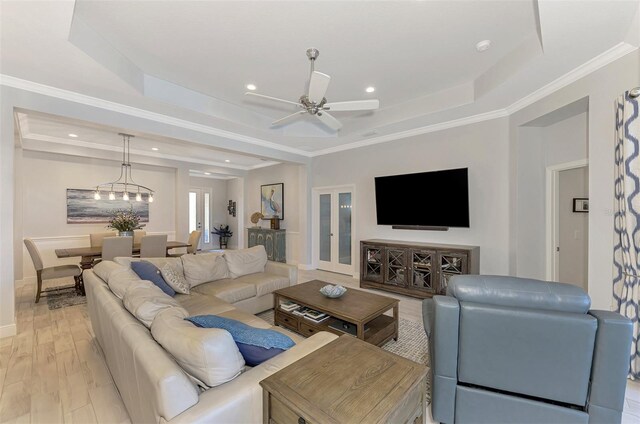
275, 99
353, 105
318, 85
329, 121
288, 118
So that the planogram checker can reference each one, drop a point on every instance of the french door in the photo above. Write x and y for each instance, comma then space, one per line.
334, 247
200, 215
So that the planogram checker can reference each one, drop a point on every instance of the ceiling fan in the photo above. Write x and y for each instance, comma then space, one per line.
314, 101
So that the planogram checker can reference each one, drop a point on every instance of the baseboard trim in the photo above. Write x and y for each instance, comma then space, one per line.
8, 331
306, 267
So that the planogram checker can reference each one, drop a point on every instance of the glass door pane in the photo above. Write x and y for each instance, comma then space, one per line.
325, 228
206, 231
344, 228
193, 211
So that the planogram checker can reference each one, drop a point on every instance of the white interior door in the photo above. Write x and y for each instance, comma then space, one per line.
334, 249
200, 215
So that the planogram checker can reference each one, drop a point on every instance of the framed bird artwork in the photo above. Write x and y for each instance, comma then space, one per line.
272, 201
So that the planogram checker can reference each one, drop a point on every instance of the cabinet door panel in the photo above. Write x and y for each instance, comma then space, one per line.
450, 264
423, 270
396, 264
372, 257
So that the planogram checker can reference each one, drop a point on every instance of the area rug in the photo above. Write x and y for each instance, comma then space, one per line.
412, 343
62, 298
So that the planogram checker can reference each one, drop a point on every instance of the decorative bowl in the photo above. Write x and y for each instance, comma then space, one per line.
333, 291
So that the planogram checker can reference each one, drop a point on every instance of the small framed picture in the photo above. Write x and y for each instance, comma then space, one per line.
581, 204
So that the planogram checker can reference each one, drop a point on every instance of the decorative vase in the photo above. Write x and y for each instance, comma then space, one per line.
125, 234
223, 242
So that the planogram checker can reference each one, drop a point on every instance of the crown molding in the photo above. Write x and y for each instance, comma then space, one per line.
34, 87
117, 149
605, 58
600, 61
499, 113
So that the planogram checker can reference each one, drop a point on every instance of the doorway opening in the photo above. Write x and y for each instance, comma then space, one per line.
568, 223
200, 201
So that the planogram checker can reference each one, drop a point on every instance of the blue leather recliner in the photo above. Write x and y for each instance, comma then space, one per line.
515, 350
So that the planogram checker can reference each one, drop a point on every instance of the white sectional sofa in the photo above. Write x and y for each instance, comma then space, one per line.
168, 370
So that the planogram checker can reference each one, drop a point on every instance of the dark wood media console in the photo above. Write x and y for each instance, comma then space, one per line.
414, 269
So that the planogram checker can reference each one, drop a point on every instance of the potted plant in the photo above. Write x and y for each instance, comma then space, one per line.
125, 221
224, 233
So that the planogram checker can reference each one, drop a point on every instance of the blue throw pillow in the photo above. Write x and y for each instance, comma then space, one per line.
148, 271
255, 344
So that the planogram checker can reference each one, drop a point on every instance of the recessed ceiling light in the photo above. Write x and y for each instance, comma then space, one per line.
207, 173
155, 149
73, 135
251, 87
483, 45
227, 160
370, 89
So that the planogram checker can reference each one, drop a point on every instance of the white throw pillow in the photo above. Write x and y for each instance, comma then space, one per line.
145, 301
208, 354
175, 279
199, 269
246, 261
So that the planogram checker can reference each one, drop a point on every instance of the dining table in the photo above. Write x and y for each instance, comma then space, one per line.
89, 254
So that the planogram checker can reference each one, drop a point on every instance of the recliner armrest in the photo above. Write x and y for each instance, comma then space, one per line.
610, 366
444, 362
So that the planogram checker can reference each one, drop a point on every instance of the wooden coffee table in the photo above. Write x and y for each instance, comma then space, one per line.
356, 308
346, 381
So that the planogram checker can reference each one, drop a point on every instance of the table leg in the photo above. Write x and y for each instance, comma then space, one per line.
360, 330
397, 321
86, 262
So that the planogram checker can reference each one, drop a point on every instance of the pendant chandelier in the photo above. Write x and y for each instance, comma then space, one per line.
124, 186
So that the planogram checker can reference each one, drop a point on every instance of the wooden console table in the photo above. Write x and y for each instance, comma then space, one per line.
414, 269
363, 310
346, 381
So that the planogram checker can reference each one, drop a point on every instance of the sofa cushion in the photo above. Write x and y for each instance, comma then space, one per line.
199, 304
148, 271
145, 301
246, 261
208, 354
265, 283
231, 291
119, 279
199, 269
175, 278
255, 344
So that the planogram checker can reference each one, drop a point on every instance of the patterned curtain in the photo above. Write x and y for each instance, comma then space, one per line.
626, 250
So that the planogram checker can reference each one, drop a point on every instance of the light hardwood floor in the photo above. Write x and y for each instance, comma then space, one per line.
53, 370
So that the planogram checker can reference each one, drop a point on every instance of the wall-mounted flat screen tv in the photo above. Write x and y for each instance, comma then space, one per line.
434, 199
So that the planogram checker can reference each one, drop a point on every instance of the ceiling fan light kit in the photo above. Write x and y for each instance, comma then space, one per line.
314, 101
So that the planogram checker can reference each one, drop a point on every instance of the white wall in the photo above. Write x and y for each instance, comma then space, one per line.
294, 202
539, 148
235, 192
601, 87
44, 179
573, 227
482, 147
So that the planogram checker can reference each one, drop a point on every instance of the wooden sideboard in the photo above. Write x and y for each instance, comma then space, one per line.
414, 269
274, 242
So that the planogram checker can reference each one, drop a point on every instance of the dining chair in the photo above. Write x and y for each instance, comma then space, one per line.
51, 272
137, 236
154, 246
194, 241
96, 239
116, 246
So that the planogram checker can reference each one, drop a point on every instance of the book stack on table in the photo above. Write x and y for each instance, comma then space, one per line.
308, 313
289, 306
